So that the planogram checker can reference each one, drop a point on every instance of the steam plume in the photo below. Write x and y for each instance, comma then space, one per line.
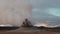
14, 11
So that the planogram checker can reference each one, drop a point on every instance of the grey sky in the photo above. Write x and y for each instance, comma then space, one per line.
46, 10
15, 11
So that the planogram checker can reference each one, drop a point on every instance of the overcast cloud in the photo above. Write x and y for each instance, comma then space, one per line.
15, 11
46, 10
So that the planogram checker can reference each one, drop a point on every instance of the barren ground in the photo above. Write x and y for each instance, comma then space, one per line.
28, 31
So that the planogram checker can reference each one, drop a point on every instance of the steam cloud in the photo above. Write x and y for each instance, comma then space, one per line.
14, 11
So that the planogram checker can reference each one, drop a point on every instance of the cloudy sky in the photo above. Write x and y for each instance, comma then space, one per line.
46, 11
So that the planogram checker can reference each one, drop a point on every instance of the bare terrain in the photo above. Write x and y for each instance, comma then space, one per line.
30, 31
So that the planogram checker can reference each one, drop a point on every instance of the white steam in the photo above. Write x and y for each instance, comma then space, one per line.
14, 11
